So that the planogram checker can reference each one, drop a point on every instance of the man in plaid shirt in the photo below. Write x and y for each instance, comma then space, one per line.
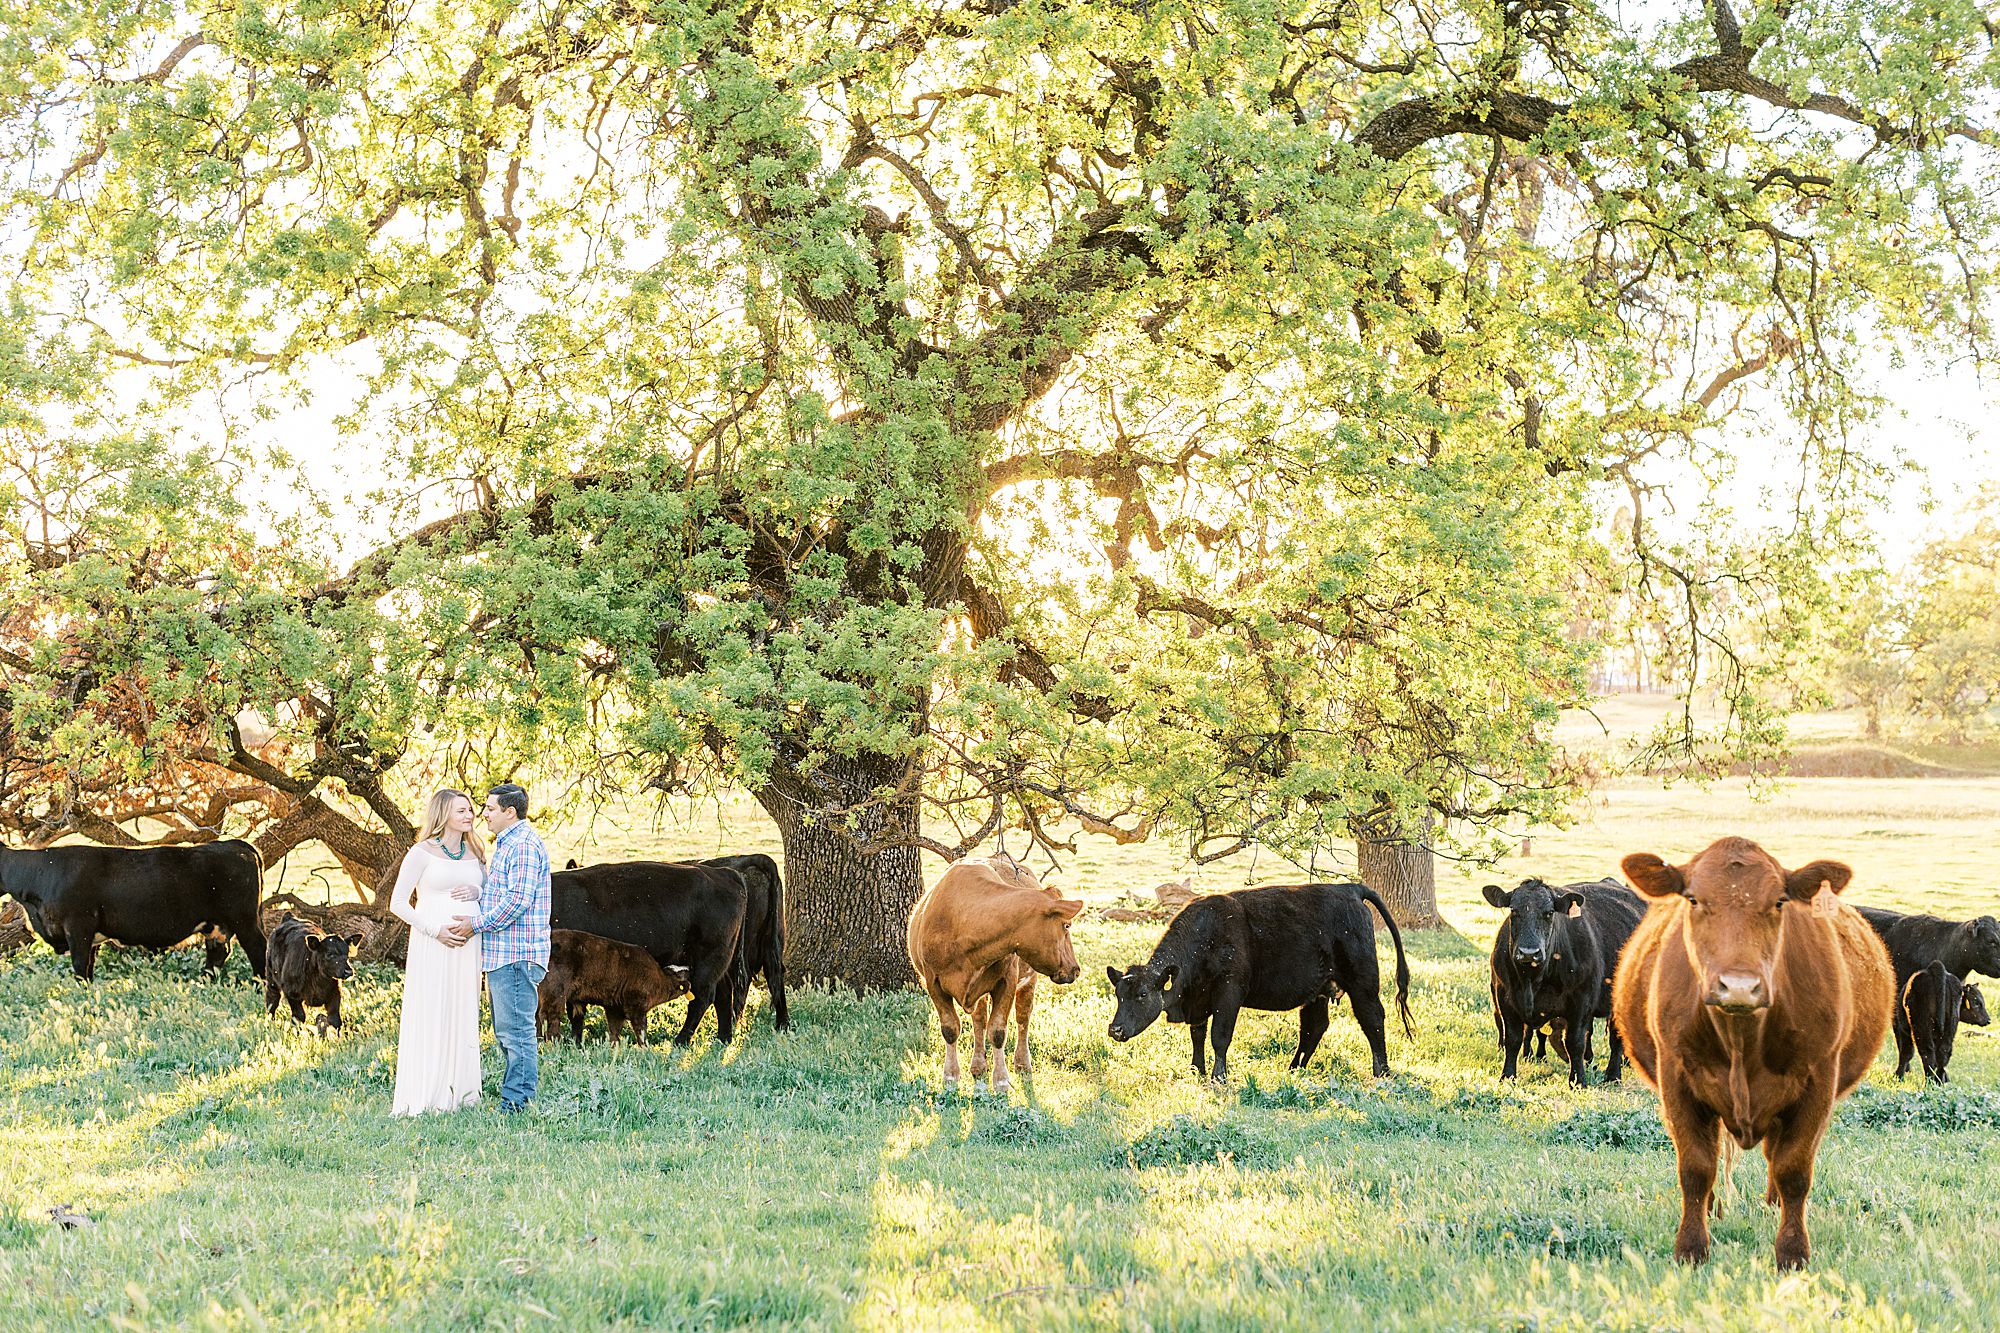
513, 930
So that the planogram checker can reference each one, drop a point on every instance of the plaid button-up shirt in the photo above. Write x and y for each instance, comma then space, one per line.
513, 922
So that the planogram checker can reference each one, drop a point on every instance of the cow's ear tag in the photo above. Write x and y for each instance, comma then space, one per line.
1576, 909
1825, 902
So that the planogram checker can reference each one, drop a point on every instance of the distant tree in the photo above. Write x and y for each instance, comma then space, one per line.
1864, 657
1953, 637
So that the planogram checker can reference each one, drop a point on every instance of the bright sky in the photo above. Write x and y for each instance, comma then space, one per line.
1939, 421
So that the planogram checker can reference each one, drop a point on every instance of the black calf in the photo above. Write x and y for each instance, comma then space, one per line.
306, 967
1933, 1004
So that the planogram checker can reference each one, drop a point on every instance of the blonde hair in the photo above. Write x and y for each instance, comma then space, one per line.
439, 810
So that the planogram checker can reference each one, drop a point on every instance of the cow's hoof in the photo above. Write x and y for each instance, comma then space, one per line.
1791, 1256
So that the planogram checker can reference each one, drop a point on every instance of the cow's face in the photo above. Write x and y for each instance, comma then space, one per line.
1142, 997
1043, 939
1982, 945
675, 984
1532, 910
1734, 924
331, 951
1972, 1006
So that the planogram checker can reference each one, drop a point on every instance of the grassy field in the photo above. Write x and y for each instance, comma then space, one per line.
243, 1173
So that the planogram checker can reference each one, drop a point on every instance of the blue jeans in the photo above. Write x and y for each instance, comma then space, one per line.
511, 990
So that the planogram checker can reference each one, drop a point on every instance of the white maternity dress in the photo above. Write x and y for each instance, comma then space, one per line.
437, 1055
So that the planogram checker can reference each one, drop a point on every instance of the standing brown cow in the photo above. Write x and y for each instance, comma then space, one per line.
1753, 999
977, 938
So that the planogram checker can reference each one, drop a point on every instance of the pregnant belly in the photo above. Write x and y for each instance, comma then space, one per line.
437, 911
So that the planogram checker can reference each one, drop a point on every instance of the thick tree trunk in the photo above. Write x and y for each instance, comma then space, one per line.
1402, 869
848, 913
368, 857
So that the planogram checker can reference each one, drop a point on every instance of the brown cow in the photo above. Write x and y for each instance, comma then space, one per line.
586, 969
977, 938
1753, 999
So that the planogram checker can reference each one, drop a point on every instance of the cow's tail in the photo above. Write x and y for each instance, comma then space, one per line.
1726, 1153
1402, 961
774, 928
250, 935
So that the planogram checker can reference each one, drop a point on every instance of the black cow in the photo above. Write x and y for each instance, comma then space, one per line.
761, 949
1292, 946
1552, 961
149, 897
689, 916
1933, 1004
307, 966
1916, 941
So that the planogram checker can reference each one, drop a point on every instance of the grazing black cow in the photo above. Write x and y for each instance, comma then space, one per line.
1292, 946
307, 966
1915, 942
1933, 1004
689, 916
588, 969
149, 897
761, 949
1552, 961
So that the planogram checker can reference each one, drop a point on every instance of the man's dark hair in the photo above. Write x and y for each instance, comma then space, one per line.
512, 796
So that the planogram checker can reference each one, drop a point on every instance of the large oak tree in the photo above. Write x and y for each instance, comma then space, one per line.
1158, 417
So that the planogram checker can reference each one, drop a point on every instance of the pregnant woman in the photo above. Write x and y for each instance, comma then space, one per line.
437, 1056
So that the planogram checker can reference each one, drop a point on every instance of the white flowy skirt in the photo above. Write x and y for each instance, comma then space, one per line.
437, 1054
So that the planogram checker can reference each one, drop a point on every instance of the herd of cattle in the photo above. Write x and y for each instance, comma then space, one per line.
1750, 997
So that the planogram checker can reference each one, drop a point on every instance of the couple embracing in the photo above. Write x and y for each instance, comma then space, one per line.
450, 892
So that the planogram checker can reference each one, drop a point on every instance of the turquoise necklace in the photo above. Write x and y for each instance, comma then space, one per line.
458, 855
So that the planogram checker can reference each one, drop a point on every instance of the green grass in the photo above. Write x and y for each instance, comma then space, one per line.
243, 1172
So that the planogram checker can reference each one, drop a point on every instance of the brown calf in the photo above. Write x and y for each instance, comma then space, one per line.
1753, 999
587, 969
977, 939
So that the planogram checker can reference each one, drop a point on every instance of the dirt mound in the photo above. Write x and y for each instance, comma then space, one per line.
1850, 761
